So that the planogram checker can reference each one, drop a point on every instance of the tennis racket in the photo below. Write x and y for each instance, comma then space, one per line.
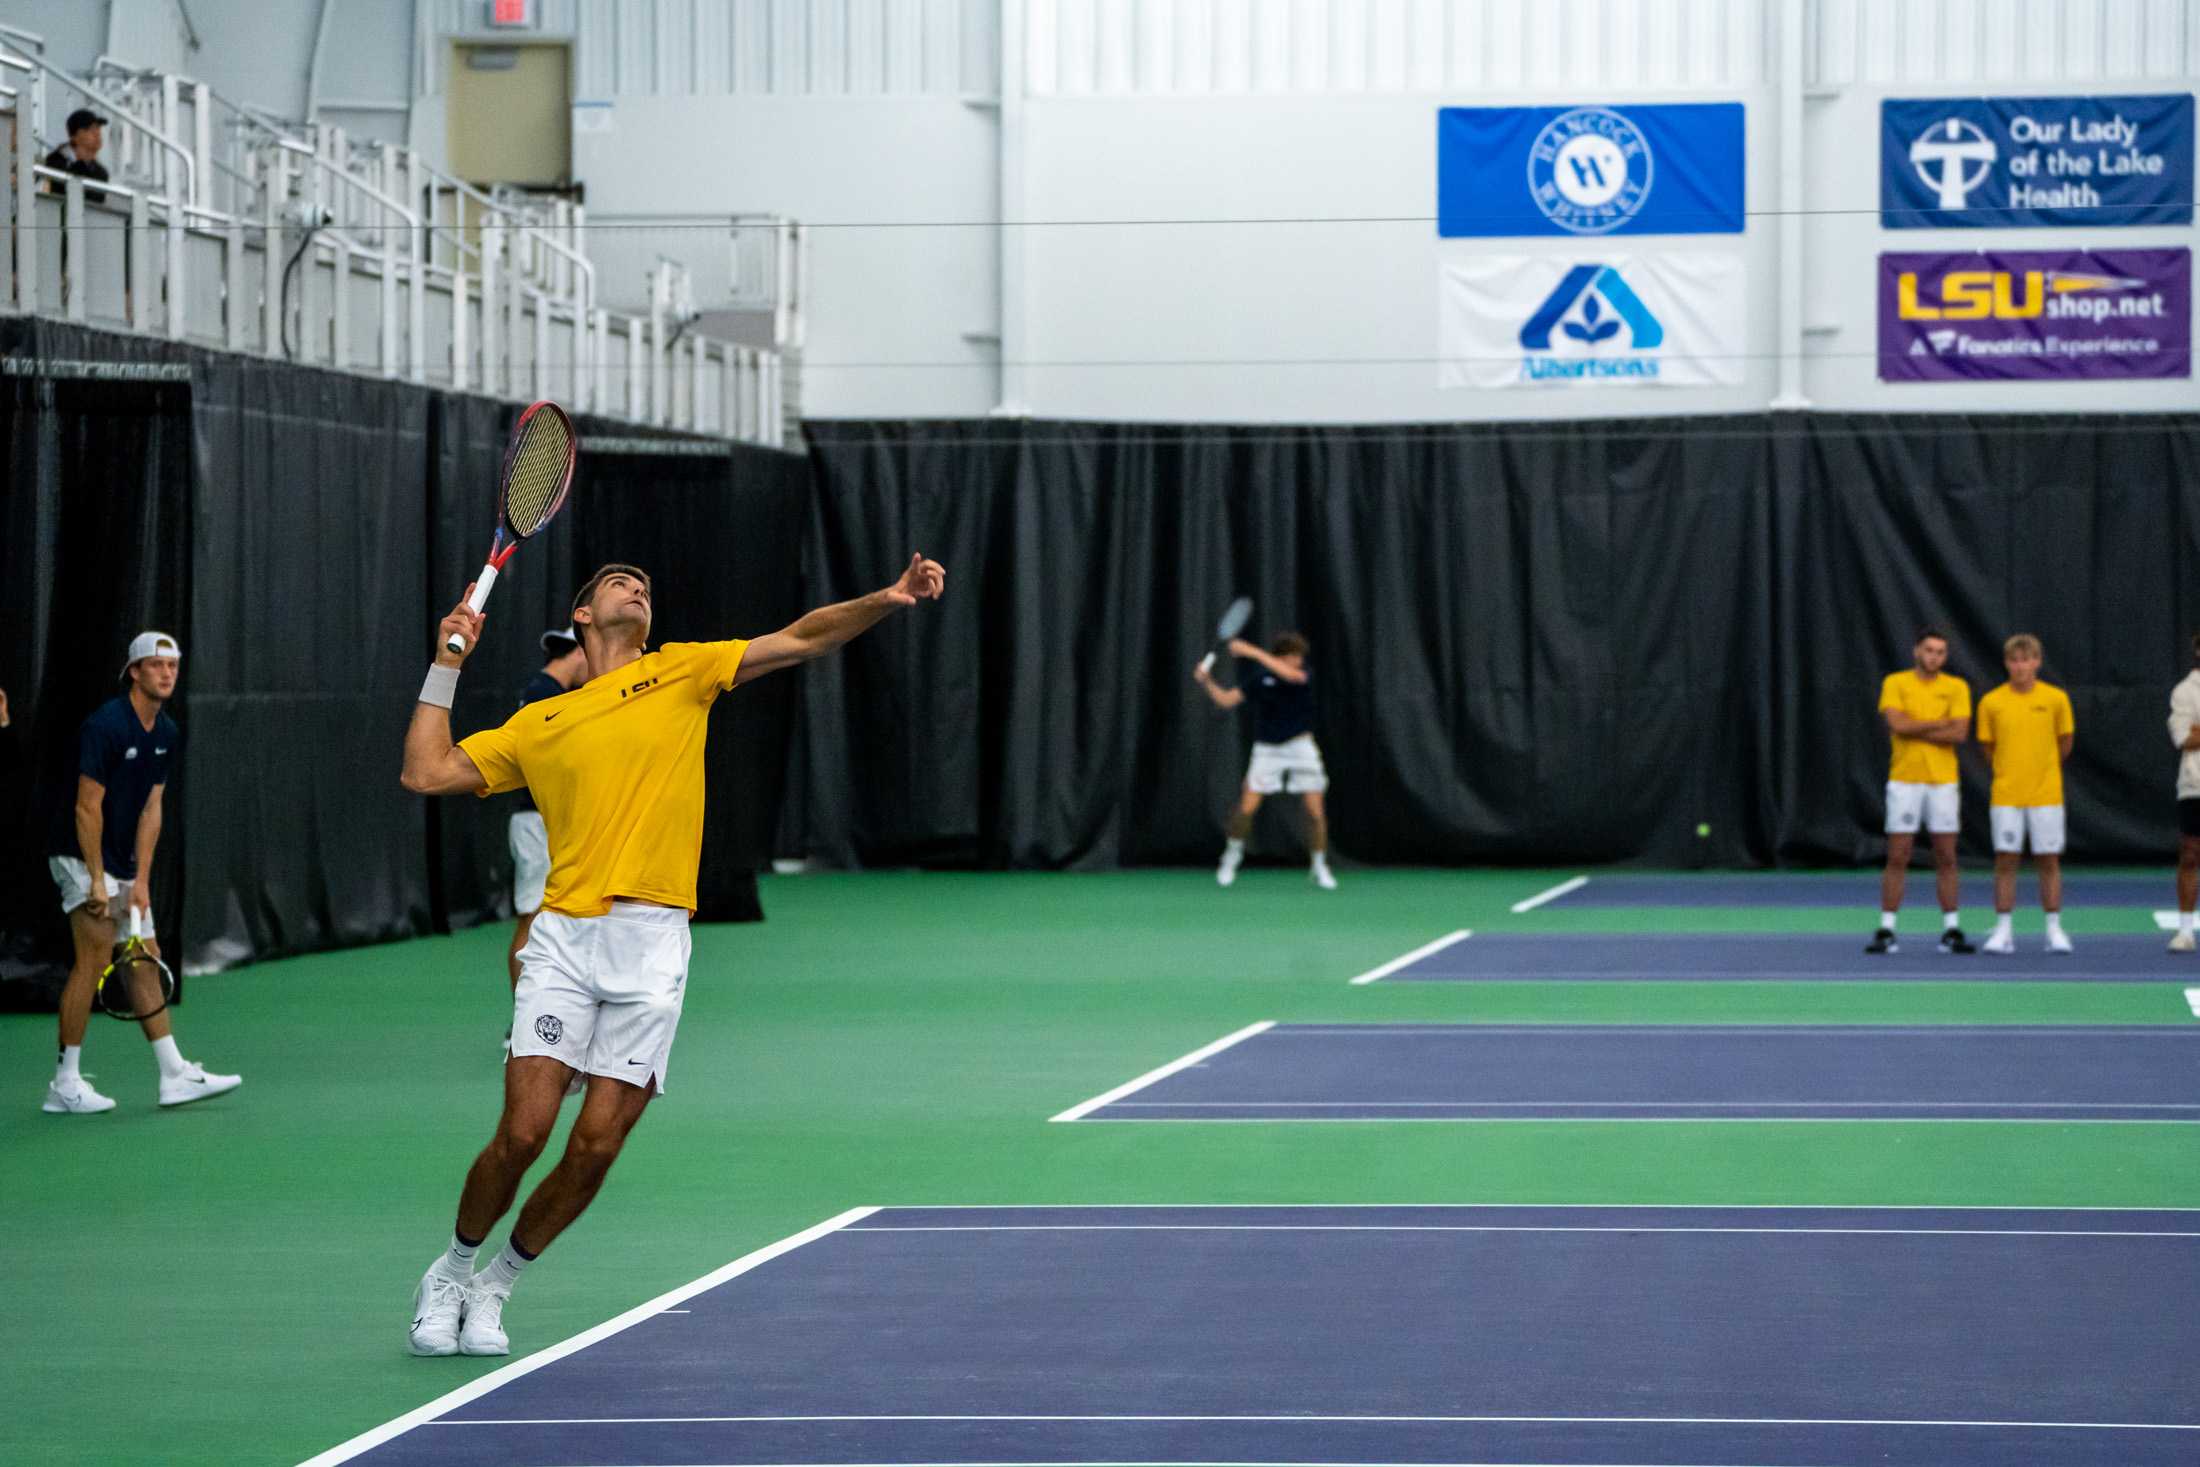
538, 474
136, 985
1233, 621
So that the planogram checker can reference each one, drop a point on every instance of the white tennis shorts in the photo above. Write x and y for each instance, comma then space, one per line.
1294, 765
1940, 806
75, 881
603, 994
2043, 824
530, 860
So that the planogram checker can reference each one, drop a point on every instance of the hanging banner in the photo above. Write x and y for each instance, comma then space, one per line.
2035, 315
1665, 320
2035, 162
1674, 169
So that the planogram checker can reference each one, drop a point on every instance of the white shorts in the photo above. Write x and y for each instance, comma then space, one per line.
530, 860
603, 994
1294, 765
2013, 823
1939, 805
75, 880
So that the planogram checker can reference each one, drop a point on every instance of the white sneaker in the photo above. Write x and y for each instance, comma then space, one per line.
439, 1304
483, 1333
194, 1083
2058, 942
74, 1097
2001, 944
1322, 878
2181, 943
1226, 872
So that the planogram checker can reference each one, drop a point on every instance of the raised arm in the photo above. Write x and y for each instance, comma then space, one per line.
829, 628
1222, 697
1239, 647
433, 764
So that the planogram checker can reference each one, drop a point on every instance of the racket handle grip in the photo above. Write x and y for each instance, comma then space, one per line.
454, 642
1207, 663
137, 922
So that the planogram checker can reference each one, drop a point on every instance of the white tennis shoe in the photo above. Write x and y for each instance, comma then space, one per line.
74, 1098
2181, 943
2001, 944
439, 1305
1227, 871
2059, 942
1322, 876
192, 1082
483, 1332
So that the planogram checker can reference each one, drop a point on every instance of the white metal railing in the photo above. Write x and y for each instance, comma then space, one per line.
226, 228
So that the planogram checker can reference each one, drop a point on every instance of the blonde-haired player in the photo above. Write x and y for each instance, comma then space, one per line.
616, 767
2026, 728
1927, 711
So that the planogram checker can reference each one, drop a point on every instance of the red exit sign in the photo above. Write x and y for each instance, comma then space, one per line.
512, 12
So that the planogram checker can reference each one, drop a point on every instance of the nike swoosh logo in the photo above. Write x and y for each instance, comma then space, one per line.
548, 716
423, 1319
637, 1062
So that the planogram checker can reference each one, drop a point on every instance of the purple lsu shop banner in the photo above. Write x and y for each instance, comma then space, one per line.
2035, 315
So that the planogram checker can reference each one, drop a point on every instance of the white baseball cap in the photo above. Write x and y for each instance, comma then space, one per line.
151, 644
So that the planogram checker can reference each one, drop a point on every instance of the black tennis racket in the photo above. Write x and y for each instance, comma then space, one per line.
136, 985
538, 474
1233, 621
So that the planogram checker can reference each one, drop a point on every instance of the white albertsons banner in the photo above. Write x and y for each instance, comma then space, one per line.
1672, 319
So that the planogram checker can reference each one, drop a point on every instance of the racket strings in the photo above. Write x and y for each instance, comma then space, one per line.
538, 473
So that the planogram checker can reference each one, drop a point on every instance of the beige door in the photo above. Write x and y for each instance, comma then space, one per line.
510, 115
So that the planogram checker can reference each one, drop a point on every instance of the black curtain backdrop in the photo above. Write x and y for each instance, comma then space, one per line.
302, 532
1531, 642
95, 546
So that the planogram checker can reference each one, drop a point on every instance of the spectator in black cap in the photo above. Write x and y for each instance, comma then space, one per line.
80, 154
564, 668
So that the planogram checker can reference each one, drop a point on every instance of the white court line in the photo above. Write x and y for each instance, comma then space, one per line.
1539, 1206
1658, 1104
2192, 1001
1313, 1417
1635, 1121
425, 1415
1520, 1228
1564, 888
1079, 1112
1415, 956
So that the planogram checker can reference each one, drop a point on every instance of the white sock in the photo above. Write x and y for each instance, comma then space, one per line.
1886, 920
503, 1270
458, 1259
1233, 850
171, 1058
2003, 924
72, 1056
2184, 923
2054, 924
1950, 921
1321, 860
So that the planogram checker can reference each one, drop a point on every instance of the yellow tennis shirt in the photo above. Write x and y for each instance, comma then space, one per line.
2026, 731
1917, 761
616, 767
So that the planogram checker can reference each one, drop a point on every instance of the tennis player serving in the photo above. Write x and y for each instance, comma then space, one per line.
616, 767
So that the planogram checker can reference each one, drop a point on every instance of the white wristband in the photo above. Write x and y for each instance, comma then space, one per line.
440, 687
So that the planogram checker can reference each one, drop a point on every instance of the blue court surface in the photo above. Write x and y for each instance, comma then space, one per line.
1561, 957
1530, 1335
1853, 889
1481, 1072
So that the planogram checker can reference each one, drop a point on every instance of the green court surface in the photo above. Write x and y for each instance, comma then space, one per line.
229, 1283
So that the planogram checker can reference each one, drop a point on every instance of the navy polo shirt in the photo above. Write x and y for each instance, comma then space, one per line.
1281, 710
131, 760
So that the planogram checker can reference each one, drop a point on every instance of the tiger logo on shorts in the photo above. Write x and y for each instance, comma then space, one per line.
549, 1029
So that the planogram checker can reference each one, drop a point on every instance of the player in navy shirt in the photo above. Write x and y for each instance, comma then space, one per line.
102, 859
565, 667
1285, 756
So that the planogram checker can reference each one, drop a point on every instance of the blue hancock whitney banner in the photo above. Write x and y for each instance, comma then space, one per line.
2035, 162
1621, 169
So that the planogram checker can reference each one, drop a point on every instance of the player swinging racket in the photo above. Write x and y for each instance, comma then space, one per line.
616, 767
1927, 712
1285, 756
103, 862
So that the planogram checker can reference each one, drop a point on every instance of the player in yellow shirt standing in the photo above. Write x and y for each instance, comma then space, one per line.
1927, 712
2026, 728
616, 767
